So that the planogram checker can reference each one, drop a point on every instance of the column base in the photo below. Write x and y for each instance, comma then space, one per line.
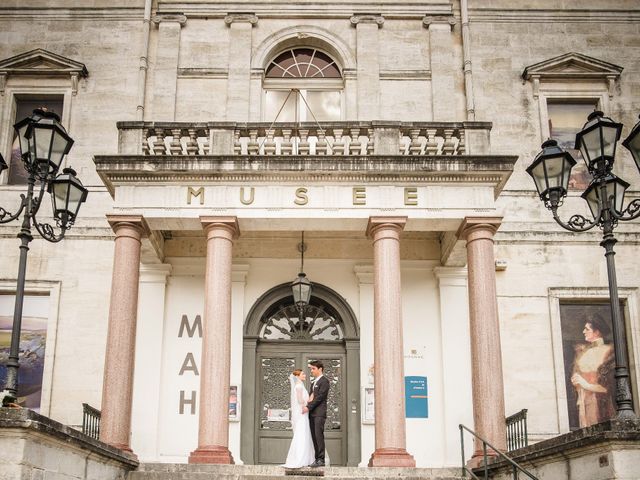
211, 454
391, 457
477, 459
125, 448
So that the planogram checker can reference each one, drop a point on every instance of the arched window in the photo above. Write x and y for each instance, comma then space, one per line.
303, 84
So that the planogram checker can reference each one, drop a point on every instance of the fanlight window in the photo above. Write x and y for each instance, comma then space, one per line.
315, 324
303, 85
303, 63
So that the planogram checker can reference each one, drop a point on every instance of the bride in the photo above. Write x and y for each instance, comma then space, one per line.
301, 452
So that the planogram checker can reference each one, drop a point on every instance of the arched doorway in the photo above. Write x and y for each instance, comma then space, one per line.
275, 342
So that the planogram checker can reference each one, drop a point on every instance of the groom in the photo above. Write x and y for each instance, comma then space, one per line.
317, 409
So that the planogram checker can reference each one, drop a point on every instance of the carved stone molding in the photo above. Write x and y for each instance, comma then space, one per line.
241, 18
429, 20
571, 67
170, 17
40, 62
364, 19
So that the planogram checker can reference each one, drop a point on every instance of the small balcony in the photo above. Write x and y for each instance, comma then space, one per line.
341, 139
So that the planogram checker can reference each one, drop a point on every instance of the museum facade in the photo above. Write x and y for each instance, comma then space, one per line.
381, 150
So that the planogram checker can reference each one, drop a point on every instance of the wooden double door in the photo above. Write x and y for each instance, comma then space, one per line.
275, 361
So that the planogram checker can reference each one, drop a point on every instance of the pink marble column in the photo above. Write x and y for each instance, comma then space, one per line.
117, 386
486, 357
388, 347
213, 427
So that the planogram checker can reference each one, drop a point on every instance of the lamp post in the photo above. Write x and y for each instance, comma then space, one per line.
550, 171
43, 144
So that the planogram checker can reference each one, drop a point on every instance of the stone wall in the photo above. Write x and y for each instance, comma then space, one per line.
37, 447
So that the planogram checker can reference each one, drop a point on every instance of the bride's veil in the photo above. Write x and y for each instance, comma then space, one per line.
295, 412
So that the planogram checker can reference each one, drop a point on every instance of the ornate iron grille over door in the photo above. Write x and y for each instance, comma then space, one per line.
286, 343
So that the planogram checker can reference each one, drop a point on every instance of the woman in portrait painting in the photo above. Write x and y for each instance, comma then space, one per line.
593, 374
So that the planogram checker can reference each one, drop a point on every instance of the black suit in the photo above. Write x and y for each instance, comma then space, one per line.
318, 414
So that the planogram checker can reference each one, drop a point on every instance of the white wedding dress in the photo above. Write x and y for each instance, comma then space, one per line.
301, 452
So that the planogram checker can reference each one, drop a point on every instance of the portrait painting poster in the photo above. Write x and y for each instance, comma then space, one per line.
33, 338
591, 359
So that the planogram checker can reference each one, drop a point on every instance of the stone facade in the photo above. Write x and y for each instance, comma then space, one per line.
443, 104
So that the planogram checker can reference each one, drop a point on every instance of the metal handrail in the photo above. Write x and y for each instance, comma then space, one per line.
517, 435
91, 421
516, 468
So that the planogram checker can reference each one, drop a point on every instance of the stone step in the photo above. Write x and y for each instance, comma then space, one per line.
175, 471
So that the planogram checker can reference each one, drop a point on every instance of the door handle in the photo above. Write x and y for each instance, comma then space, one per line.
354, 405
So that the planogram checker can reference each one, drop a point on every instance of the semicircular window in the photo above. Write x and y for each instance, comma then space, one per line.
315, 324
303, 63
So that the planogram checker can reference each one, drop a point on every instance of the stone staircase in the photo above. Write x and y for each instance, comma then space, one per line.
174, 471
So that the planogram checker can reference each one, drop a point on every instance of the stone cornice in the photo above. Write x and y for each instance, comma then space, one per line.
305, 9
241, 18
367, 19
578, 15
492, 170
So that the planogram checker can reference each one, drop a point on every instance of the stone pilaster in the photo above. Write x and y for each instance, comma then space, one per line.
443, 66
239, 82
166, 67
484, 330
388, 345
368, 70
364, 275
117, 386
213, 426
456, 358
147, 378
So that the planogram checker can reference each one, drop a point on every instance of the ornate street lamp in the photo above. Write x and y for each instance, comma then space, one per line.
550, 171
43, 143
301, 286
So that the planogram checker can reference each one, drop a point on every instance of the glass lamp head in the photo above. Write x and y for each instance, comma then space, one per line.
597, 142
67, 194
550, 171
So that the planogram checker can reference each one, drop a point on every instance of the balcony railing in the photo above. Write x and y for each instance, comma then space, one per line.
517, 436
328, 139
91, 421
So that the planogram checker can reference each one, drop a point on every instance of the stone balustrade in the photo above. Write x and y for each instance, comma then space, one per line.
326, 139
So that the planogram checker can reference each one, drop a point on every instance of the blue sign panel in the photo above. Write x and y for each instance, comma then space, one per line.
416, 397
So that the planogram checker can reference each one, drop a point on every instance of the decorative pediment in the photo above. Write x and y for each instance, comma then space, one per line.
571, 67
42, 62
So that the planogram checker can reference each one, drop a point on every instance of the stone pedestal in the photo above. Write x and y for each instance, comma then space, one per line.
117, 387
213, 426
484, 330
388, 346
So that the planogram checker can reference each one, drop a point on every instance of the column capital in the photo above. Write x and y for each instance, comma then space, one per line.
448, 21
239, 272
473, 228
241, 18
364, 274
170, 17
154, 272
365, 19
134, 222
451, 276
210, 224
393, 224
